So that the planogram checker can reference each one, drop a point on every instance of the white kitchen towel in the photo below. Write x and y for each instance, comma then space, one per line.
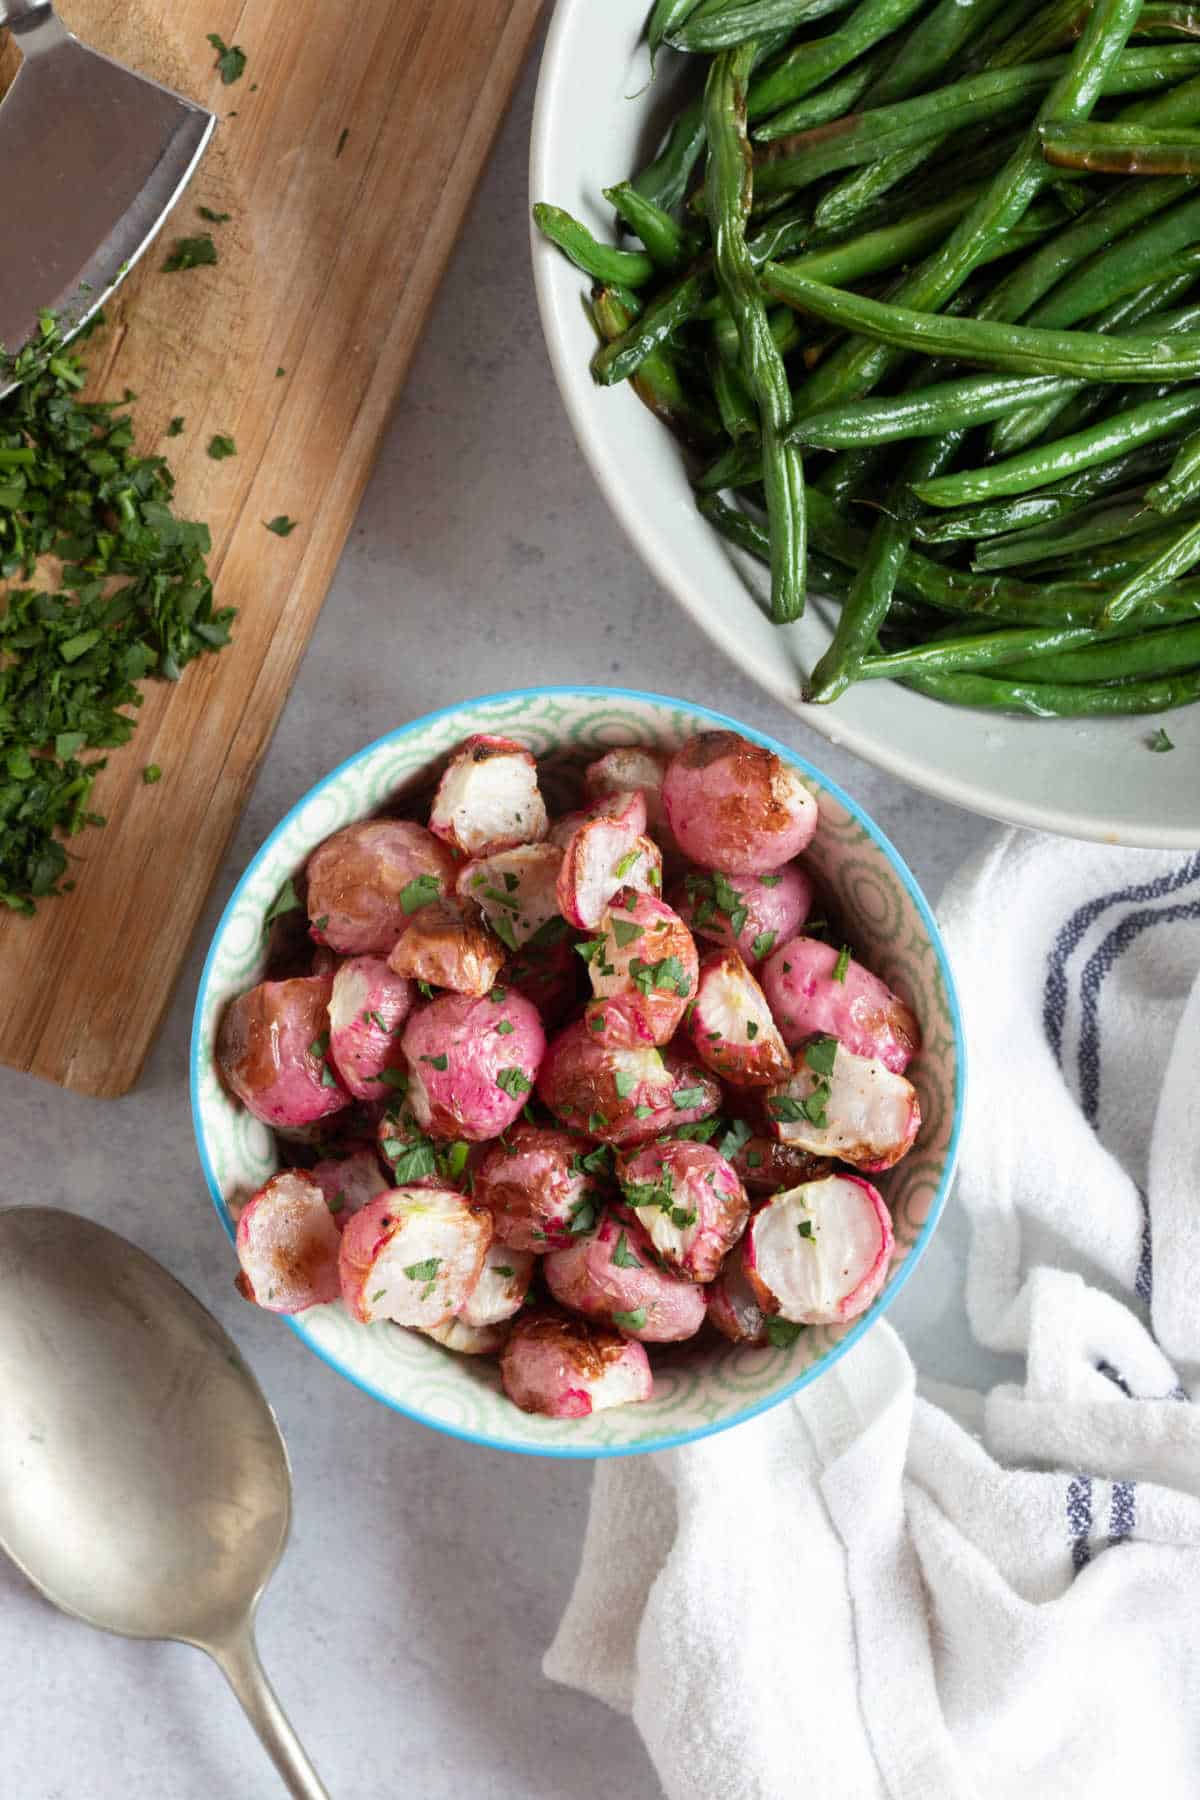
869, 1593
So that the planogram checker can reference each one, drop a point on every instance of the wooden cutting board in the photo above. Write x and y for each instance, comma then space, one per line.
347, 154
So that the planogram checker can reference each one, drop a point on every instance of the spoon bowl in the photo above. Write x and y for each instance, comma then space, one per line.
144, 1483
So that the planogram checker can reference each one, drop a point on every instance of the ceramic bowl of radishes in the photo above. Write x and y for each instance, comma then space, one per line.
577, 1071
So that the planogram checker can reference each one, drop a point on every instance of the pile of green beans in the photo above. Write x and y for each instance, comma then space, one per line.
916, 284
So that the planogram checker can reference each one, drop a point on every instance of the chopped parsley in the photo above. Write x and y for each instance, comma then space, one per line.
1160, 741
514, 1082
624, 1081
337, 1203
623, 1256
762, 946
286, 900
842, 963
440, 1063
688, 1097
454, 1160
592, 1162
151, 773
502, 925
699, 1132
319, 1045
213, 218
625, 931
231, 59
328, 1078
504, 1028
770, 880
583, 1215
281, 525
667, 976
394, 1078
175, 428
734, 1138
191, 253
376, 1297
410, 1161
821, 1054
419, 892
782, 1333
630, 1321
498, 995
805, 1228
596, 1123
552, 932
782, 1106
682, 1218
220, 447
751, 1029
505, 1270
341, 143
627, 862
424, 1271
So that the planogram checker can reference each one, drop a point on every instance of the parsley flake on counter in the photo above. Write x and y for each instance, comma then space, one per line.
191, 253
1160, 741
341, 143
281, 525
231, 59
151, 773
175, 428
220, 446
213, 218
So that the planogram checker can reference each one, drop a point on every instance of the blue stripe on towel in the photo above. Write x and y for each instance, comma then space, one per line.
1098, 966
1070, 935
1122, 1512
1079, 1519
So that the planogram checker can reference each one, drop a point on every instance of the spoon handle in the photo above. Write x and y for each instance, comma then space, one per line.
238, 1661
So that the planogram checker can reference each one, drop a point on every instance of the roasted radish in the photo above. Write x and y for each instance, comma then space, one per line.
273, 1052
488, 799
542, 1186
689, 1202
502, 1286
287, 1246
446, 946
367, 1007
733, 1305
764, 1165
367, 881
468, 1340
613, 1273
618, 1094
750, 913
819, 1254
414, 1256
568, 1368
547, 975
515, 890
735, 805
643, 967
849, 1107
349, 1182
628, 769
472, 1064
604, 854
731, 1024
814, 988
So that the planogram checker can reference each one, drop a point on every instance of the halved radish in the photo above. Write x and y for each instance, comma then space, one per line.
369, 880
845, 1106
764, 1165
643, 967
628, 769
273, 1052
819, 1254
542, 1185
488, 798
731, 1024
689, 1201
618, 1094
750, 913
502, 1286
568, 1368
735, 805
413, 1256
603, 855
447, 947
349, 1183
733, 1305
468, 1340
367, 1007
287, 1246
515, 890
815, 987
612, 1273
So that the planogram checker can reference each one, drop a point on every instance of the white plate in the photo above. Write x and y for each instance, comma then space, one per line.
594, 124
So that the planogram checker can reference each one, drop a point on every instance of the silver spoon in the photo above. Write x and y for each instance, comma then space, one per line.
144, 1485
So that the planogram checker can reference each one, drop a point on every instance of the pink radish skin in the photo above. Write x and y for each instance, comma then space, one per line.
607, 852
356, 879
860, 1010
501, 1289
367, 1007
819, 1254
515, 890
349, 1184
736, 806
414, 1256
446, 946
472, 1064
488, 799
612, 1274
732, 1029
733, 1305
776, 905
665, 1183
640, 936
534, 1185
271, 1052
287, 1246
581, 1081
872, 1116
633, 768
468, 1340
568, 1368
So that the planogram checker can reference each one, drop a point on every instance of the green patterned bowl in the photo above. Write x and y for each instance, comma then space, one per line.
697, 1389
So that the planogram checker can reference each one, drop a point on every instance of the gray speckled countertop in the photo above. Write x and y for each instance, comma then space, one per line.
406, 1626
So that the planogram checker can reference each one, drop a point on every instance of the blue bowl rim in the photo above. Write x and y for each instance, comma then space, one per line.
876, 1311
